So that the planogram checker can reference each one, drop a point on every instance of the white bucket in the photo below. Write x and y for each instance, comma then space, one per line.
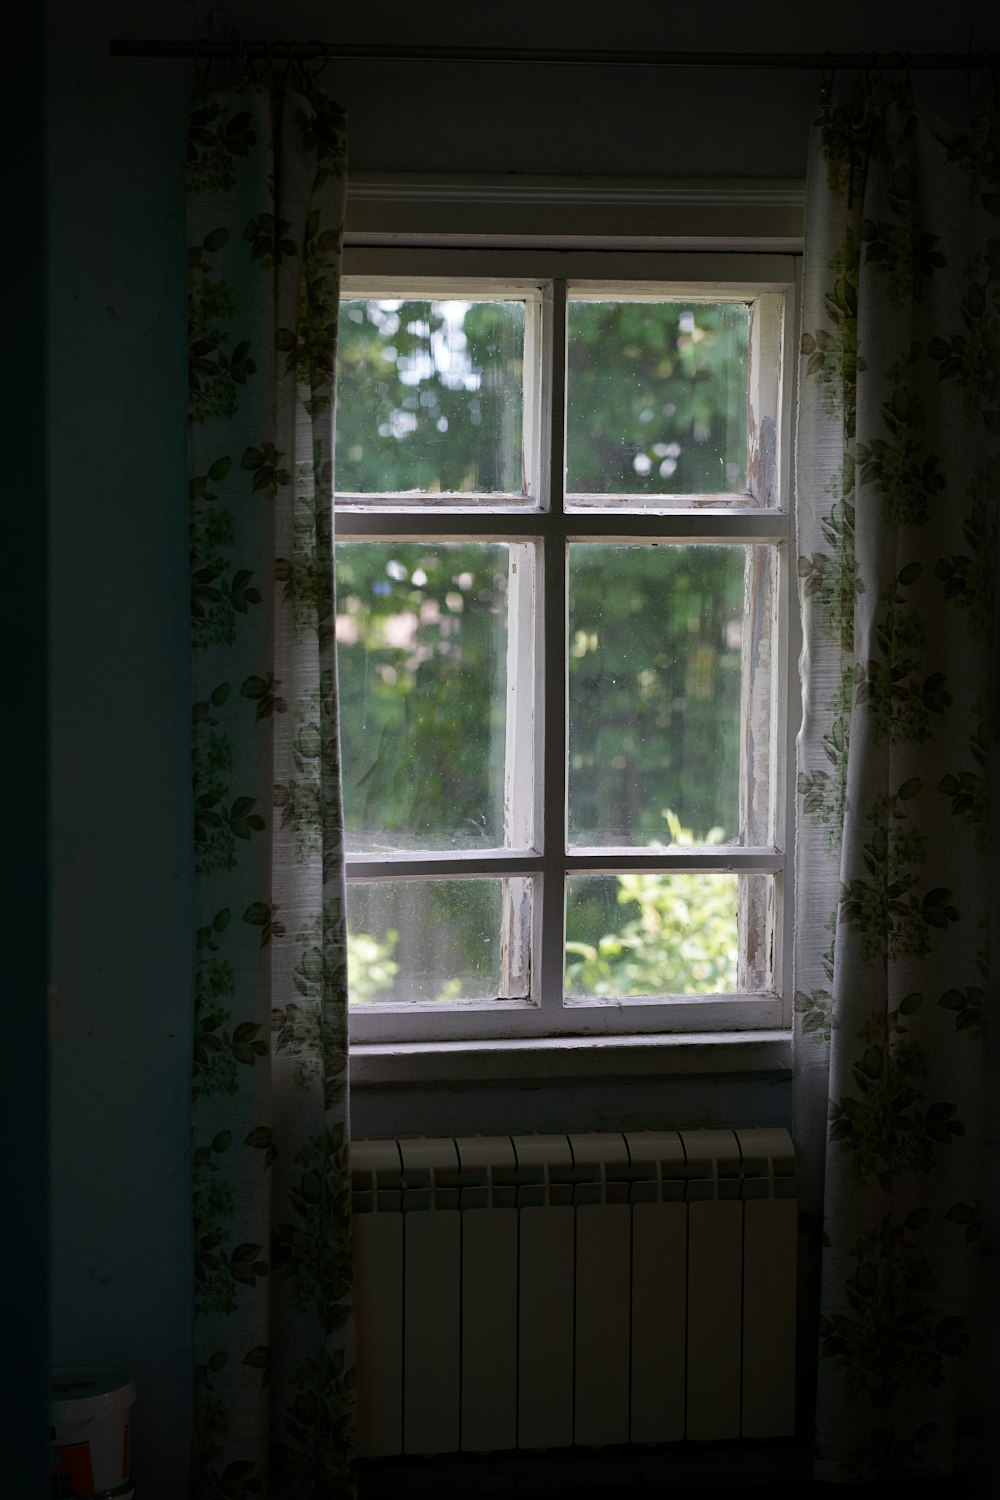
91, 1410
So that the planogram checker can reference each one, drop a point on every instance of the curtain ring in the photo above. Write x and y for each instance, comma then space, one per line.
904, 89
825, 83
200, 73
280, 75
260, 74
244, 71
307, 77
315, 72
857, 90
875, 88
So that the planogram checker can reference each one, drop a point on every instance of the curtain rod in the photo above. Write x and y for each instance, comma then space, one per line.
572, 57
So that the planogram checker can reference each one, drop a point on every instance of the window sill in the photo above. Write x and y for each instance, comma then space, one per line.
398, 1064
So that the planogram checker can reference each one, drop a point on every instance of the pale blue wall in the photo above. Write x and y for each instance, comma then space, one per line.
121, 887
122, 896
24, 1105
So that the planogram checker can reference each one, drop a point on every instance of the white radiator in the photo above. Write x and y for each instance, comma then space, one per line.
536, 1291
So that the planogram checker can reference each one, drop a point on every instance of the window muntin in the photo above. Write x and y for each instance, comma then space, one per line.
537, 872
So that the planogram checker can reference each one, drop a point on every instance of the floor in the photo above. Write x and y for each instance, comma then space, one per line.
711, 1473
728, 1491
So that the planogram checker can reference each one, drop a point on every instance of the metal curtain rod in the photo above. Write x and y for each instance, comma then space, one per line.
279, 51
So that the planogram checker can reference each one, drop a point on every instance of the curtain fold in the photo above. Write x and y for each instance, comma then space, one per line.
898, 478
273, 1345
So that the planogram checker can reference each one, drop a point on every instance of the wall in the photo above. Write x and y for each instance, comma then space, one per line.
121, 887
24, 1109
121, 847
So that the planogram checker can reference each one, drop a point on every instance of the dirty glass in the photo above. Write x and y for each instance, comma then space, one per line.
647, 933
656, 401
422, 667
429, 397
654, 660
425, 940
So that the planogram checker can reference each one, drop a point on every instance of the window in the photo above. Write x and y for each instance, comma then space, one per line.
562, 521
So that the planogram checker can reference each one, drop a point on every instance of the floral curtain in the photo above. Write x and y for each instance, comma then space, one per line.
274, 1366
898, 476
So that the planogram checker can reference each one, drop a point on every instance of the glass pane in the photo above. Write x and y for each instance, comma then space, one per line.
429, 397
655, 637
653, 934
429, 940
422, 667
657, 399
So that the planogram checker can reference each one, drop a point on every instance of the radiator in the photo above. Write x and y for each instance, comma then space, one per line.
538, 1291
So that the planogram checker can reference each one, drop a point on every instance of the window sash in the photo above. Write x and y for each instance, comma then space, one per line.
546, 515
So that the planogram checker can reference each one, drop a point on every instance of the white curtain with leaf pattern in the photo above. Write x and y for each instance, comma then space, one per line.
274, 1366
898, 478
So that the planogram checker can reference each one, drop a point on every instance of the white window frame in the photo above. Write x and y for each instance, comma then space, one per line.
542, 276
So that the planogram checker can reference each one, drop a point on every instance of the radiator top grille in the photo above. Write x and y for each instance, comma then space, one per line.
523, 1171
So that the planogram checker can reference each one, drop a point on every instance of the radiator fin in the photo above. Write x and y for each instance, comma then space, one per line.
431, 1332
489, 1330
378, 1313
603, 1323
659, 1321
715, 1234
545, 1364
769, 1245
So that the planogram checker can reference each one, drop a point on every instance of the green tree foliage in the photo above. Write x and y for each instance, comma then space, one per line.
434, 392
370, 964
679, 935
654, 674
422, 669
656, 398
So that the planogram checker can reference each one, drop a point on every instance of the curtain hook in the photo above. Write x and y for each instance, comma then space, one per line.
857, 91
826, 83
